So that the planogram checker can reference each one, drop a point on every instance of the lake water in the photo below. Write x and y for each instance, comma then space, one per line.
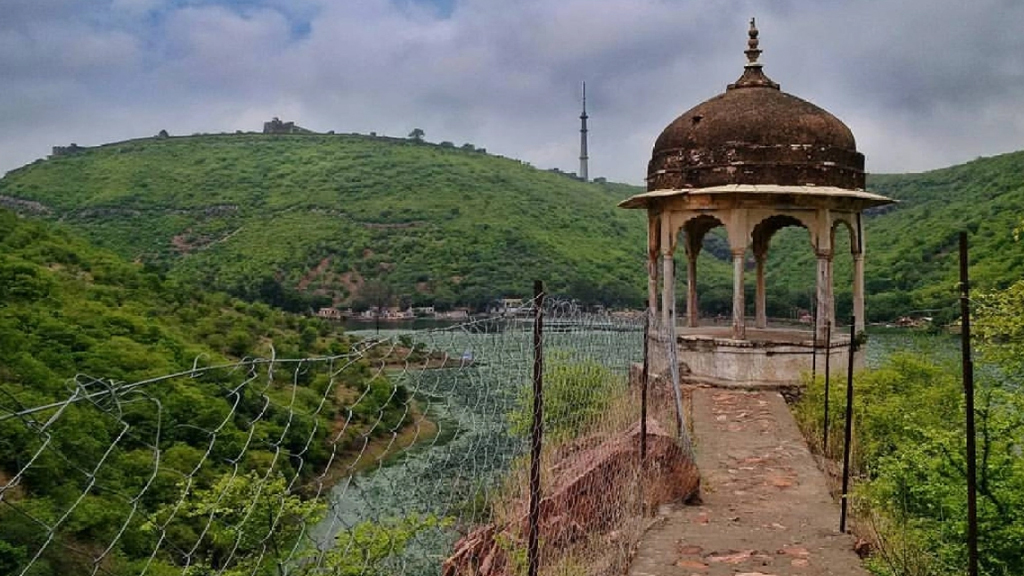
454, 473
883, 342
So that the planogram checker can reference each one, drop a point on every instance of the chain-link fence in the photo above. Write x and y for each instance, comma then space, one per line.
409, 453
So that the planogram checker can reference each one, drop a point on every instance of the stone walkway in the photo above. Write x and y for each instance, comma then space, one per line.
766, 509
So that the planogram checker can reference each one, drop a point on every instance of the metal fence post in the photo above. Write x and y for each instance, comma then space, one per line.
537, 429
643, 389
968, 377
848, 435
828, 376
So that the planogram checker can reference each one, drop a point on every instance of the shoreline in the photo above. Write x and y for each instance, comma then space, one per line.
378, 451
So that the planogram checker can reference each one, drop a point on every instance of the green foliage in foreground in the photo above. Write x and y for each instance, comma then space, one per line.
910, 457
244, 516
255, 215
69, 309
366, 548
576, 395
910, 451
999, 324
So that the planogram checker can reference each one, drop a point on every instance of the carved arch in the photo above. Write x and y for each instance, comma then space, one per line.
763, 231
696, 228
851, 229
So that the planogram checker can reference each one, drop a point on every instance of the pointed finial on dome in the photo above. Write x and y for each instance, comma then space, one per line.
752, 50
753, 76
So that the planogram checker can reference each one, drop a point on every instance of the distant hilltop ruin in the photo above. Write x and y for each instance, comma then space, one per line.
66, 150
276, 126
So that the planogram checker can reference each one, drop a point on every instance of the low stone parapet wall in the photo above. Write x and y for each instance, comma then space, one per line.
752, 363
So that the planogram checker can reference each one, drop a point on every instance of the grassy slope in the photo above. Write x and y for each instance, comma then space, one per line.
443, 225
68, 308
917, 242
912, 246
435, 223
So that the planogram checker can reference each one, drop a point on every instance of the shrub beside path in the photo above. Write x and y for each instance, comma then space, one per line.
766, 509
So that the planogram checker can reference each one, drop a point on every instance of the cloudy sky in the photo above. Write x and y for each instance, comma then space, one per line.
922, 83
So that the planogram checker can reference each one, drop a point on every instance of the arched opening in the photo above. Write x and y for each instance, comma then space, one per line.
703, 264
844, 245
784, 282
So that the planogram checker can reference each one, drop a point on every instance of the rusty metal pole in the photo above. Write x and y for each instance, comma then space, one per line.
828, 376
968, 377
644, 383
537, 430
643, 389
848, 435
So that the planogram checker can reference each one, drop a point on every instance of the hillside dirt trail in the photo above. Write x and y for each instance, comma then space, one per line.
766, 509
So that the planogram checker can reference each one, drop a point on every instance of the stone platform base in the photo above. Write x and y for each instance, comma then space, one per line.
766, 358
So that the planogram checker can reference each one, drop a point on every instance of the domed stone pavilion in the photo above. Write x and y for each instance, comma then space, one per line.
753, 160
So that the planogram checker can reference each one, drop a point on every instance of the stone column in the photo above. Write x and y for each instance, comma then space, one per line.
653, 243
692, 312
652, 281
739, 324
858, 291
826, 312
668, 294
760, 301
693, 245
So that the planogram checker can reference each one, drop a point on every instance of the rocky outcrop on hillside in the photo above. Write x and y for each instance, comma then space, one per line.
23, 206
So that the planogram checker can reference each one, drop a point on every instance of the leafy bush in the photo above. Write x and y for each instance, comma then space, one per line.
909, 452
367, 548
576, 395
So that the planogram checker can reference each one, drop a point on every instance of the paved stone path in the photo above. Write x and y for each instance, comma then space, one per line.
765, 507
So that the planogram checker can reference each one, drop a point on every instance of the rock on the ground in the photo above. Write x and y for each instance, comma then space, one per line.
591, 489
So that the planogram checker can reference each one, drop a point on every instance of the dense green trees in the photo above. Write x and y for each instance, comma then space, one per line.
132, 470
910, 448
247, 518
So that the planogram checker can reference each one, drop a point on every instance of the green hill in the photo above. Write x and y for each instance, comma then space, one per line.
912, 245
67, 307
917, 240
343, 218
301, 220
77, 320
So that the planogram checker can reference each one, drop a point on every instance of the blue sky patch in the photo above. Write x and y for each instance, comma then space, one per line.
300, 15
442, 8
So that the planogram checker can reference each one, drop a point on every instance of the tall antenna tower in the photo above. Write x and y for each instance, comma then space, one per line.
583, 137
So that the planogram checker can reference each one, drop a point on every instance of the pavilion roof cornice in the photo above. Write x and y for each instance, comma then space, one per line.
766, 191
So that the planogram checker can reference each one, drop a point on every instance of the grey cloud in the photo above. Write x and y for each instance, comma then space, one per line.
922, 84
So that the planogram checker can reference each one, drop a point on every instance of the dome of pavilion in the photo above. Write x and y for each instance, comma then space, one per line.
754, 133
